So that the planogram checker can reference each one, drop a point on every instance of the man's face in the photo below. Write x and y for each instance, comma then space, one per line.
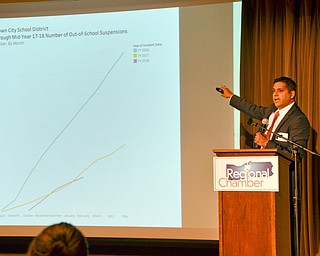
281, 95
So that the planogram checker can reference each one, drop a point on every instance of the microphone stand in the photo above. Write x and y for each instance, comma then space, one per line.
296, 199
295, 202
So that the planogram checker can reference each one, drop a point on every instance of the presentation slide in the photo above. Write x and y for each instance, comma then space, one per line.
109, 117
90, 119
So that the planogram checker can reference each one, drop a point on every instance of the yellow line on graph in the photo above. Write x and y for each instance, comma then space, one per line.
65, 185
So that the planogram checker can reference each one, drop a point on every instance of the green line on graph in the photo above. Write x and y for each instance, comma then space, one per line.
66, 184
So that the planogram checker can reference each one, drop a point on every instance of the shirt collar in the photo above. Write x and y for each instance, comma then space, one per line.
285, 110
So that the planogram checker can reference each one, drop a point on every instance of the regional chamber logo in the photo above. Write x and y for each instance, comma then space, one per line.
251, 174
246, 175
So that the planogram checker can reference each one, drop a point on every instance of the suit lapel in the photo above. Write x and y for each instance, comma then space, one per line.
286, 117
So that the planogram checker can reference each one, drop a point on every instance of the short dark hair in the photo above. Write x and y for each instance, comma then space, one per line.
291, 85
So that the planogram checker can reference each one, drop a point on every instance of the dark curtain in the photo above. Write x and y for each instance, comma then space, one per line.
282, 38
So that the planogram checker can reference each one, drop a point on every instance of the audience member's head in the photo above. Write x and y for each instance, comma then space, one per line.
61, 239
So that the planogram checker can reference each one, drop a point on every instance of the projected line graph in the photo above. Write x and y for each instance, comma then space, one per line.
88, 132
86, 102
40, 199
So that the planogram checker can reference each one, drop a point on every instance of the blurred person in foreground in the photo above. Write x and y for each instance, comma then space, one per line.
61, 239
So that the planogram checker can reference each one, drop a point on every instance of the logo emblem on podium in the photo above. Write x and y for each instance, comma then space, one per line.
246, 173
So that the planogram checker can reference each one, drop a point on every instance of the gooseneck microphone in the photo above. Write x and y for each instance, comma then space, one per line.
250, 122
262, 127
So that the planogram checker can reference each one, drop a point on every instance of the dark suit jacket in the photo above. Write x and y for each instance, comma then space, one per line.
295, 124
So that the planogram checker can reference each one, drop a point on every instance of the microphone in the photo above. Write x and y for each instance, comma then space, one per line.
263, 125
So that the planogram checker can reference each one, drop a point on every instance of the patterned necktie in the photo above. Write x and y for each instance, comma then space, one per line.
272, 124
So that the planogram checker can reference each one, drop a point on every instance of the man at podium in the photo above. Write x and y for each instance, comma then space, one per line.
285, 120
284, 127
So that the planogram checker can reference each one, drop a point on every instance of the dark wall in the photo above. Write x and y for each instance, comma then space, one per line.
117, 246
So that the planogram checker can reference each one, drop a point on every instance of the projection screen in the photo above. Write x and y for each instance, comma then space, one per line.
109, 118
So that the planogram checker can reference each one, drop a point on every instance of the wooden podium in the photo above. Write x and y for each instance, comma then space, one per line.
255, 223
